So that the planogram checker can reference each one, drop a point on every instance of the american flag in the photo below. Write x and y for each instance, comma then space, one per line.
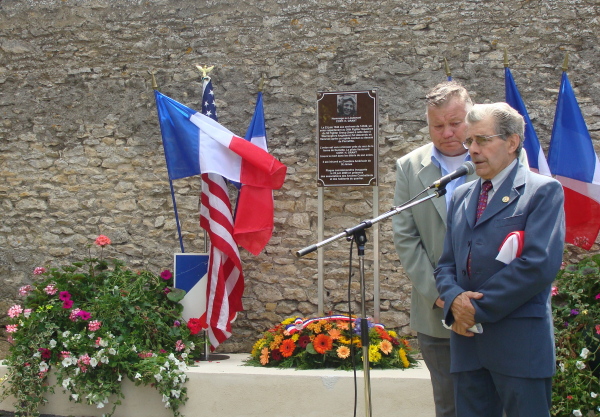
225, 285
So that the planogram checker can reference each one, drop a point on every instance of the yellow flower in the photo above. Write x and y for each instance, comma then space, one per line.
343, 352
295, 337
344, 340
393, 334
289, 321
584, 312
403, 358
386, 347
374, 355
328, 326
276, 342
258, 346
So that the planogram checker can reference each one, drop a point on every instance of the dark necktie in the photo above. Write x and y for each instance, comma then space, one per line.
481, 205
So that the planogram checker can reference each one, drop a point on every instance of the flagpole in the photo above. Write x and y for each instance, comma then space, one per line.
155, 87
565, 65
447, 69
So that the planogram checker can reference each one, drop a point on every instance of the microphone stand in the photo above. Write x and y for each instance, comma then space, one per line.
358, 234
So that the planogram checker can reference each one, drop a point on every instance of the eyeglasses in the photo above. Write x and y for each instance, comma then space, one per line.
481, 140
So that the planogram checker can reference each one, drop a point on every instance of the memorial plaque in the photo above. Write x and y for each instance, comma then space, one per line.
347, 150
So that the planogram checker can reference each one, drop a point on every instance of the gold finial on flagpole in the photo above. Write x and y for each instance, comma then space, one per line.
565, 65
205, 71
505, 58
154, 84
261, 83
447, 68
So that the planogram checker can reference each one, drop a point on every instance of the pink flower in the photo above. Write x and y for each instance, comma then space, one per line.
14, 311
11, 328
166, 274
64, 296
94, 325
554, 291
597, 328
25, 290
50, 289
27, 312
102, 241
597, 296
84, 315
179, 345
39, 270
74, 314
64, 354
67, 304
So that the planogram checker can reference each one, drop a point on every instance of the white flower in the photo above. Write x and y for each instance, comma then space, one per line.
77, 336
37, 354
44, 366
137, 376
75, 396
93, 362
134, 348
112, 351
67, 361
100, 405
158, 377
593, 394
66, 334
167, 404
120, 378
175, 393
165, 398
584, 353
52, 343
104, 359
182, 366
580, 365
167, 364
562, 367
577, 413
192, 346
66, 383
103, 342
172, 356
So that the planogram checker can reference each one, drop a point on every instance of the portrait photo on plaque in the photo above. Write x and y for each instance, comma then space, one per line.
346, 105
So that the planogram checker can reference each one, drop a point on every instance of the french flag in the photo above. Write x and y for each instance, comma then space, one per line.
574, 162
535, 154
195, 144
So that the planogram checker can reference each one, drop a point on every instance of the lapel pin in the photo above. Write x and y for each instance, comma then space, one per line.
505, 199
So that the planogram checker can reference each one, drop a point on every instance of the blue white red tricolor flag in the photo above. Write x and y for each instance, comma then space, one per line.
574, 162
196, 144
535, 154
253, 225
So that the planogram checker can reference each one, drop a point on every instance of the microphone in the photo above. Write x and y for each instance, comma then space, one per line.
465, 169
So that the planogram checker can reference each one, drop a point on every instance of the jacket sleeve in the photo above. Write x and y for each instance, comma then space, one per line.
408, 243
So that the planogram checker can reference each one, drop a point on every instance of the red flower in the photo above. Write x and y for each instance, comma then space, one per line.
166, 274
276, 355
195, 325
303, 341
102, 241
287, 348
322, 343
46, 354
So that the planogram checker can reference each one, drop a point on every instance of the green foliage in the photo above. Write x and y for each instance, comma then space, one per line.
326, 342
94, 323
576, 308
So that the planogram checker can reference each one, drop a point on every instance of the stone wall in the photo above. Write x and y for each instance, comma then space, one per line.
81, 151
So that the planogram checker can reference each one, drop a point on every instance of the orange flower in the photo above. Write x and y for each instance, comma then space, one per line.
386, 347
335, 334
343, 325
383, 334
322, 343
343, 352
287, 348
264, 357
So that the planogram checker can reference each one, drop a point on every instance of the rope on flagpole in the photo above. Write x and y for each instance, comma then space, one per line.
155, 87
565, 65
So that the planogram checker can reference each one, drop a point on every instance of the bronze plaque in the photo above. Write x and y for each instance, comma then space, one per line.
347, 150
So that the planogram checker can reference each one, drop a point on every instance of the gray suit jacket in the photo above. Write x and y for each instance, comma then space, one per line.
518, 332
419, 237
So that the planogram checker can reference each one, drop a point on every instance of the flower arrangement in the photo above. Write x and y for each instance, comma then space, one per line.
93, 325
576, 308
326, 342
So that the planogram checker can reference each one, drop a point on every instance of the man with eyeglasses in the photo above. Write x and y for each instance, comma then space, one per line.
508, 364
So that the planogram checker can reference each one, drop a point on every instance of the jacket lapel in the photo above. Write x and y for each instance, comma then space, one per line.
427, 175
507, 193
